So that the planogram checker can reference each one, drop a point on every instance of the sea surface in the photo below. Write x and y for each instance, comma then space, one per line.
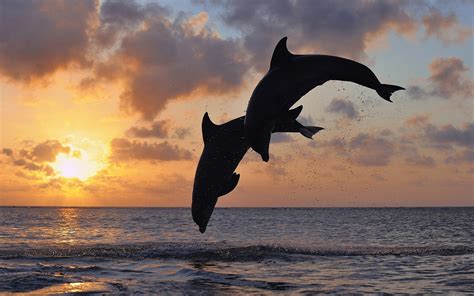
244, 250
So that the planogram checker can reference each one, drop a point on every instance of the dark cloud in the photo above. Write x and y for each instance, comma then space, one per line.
445, 27
415, 159
281, 138
450, 78
37, 157
123, 149
167, 57
182, 132
159, 129
122, 13
417, 92
386, 133
465, 156
7, 151
363, 149
306, 120
371, 150
32, 166
329, 26
344, 107
122, 17
39, 37
450, 135
46, 151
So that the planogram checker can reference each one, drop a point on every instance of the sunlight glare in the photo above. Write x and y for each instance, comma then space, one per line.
69, 166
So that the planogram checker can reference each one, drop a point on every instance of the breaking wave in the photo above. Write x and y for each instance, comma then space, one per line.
217, 252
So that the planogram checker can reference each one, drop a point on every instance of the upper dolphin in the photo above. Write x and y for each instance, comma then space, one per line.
289, 78
224, 148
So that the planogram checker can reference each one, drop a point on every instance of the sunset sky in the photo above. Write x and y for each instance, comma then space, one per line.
102, 101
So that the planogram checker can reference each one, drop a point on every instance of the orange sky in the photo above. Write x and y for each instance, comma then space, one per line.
101, 102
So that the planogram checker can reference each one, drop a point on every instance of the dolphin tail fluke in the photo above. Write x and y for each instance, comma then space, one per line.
386, 90
309, 131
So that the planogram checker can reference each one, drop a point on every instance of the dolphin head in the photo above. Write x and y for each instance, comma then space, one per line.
224, 148
202, 208
209, 185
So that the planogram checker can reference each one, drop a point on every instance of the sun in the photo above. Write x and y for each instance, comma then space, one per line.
76, 165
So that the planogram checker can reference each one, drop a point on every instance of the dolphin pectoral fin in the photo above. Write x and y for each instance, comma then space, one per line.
386, 90
234, 180
294, 113
310, 131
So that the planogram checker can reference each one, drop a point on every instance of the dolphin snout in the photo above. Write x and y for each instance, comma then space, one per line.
201, 221
202, 209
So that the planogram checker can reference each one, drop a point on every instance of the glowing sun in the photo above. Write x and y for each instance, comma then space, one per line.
76, 166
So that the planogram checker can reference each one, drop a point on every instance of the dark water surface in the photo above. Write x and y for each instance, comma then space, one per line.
246, 250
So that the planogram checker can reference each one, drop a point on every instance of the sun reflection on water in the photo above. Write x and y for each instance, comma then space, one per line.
68, 225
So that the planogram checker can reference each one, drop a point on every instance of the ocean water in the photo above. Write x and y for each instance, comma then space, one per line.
245, 250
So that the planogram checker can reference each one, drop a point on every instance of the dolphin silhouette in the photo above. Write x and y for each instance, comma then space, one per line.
224, 148
289, 78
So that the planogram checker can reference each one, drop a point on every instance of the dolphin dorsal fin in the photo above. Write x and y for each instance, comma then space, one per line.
209, 128
281, 54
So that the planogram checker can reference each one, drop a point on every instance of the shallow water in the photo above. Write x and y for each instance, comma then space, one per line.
343, 250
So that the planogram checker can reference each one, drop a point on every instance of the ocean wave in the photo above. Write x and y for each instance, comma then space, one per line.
218, 252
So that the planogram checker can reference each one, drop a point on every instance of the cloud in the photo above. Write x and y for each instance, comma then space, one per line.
37, 157
7, 151
168, 58
344, 107
159, 129
417, 92
449, 134
337, 27
32, 166
372, 150
182, 132
446, 28
363, 149
46, 151
117, 16
415, 159
306, 120
450, 78
123, 149
465, 156
419, 120
278, 138
39, 37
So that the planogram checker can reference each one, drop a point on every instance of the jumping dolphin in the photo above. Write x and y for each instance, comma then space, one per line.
289, 78
224, 148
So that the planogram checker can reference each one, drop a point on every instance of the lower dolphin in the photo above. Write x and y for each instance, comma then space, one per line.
224, 148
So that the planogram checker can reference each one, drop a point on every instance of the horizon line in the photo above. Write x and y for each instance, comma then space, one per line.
238, 207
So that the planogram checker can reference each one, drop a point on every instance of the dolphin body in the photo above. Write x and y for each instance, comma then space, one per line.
289, 78
224, 148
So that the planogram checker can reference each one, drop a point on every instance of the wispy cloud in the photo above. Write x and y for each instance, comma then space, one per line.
344, 107
124, 149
